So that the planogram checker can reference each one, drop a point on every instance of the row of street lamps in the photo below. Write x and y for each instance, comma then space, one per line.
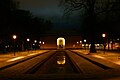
103, 35
28, 40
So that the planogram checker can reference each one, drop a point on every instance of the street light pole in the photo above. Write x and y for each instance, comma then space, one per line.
85, 43
14, 37
104, 43
80, 44
35, 44
43, 44
28, 44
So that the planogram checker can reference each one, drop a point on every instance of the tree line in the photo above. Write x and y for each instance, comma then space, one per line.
98, 16
15, 20
23, 23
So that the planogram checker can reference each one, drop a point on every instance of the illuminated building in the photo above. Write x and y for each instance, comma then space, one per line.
60, 42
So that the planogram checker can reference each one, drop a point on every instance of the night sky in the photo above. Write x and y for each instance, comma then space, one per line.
50, 9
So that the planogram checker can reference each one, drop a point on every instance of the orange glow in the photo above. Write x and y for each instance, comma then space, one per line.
61, 41
61, 60
14, 59
14, 36
103, 35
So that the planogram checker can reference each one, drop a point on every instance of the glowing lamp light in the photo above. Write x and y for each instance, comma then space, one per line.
14, 36
80, 41
35, 41
85, 40
104, 35
28, 39
40, 42
43, 42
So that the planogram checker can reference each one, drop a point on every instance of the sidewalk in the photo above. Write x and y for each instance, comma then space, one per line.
113, 57
9, 58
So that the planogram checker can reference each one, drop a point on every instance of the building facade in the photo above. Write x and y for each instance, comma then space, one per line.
60, 42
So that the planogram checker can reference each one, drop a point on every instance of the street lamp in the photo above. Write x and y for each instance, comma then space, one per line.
28, 39
77, 44
35, 43
104, 35
81, 44
14, 37
85, 43
28, 43
40, 42
43, 44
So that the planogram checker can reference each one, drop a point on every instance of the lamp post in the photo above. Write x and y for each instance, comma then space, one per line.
80, 44
77, 45
28, 43
85, 43
43, 44
14, 37
35, 43
40, 44
104, 35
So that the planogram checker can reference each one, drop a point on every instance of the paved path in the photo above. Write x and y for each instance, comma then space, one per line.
110, 56
8, 58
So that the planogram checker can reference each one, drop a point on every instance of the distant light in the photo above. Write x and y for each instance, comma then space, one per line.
43, 42
85, 40
14, 36
118, 39
40, 42
103, 35
6, 46
110, 41
80, 41
73, 45
33, 44
83, 45
28, 39
77, 42
97, 44
35, 41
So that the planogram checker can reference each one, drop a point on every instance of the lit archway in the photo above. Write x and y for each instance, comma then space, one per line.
61, 43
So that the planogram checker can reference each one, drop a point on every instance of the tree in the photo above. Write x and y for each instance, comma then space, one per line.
6, 8
91, 9
20, 22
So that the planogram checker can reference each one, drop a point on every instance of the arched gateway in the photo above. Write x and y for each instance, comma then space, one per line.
61, 43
